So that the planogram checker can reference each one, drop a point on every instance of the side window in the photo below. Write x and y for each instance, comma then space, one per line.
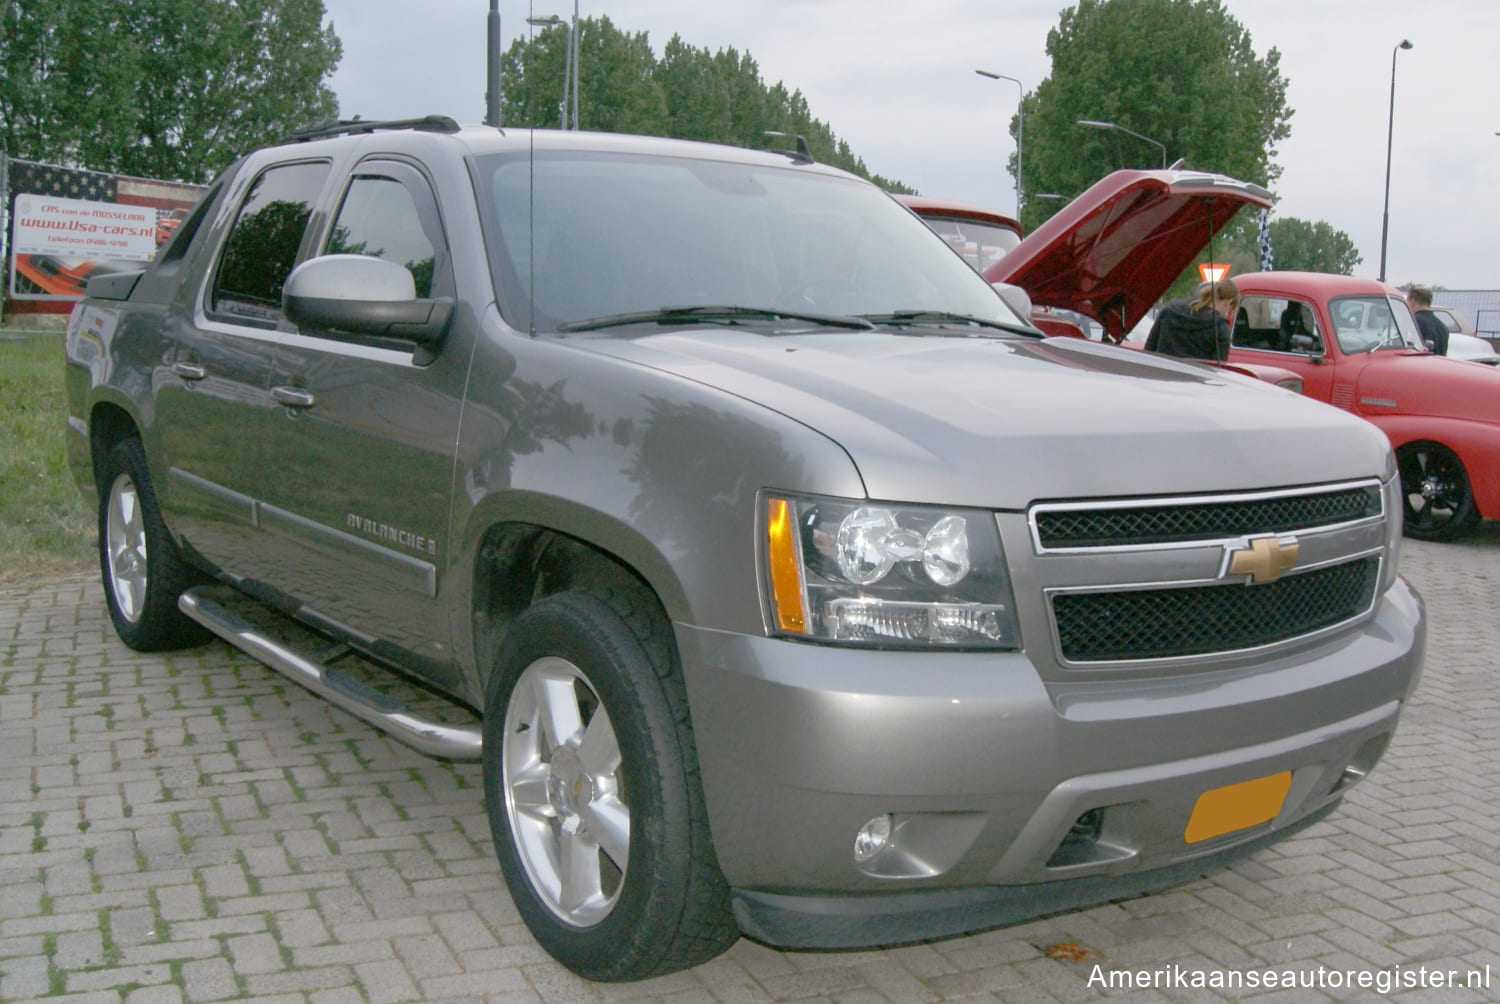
389, 212
1277, 324
262, 247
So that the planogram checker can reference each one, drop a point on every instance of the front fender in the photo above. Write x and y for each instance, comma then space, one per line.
1476, 443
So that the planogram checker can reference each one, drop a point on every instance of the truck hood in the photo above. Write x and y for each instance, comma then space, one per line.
999, 422
1116, 249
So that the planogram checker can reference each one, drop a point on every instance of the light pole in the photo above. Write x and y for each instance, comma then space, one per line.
1095, 124
1390, 128
492, 66
573, 38
552, 22
1020, 127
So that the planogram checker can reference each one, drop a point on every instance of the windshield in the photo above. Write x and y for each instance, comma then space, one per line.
589, 236
1362, 323
981, 244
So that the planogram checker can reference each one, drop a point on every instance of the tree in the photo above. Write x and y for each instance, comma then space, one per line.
689, 93
1181, 72
161, 88
1312, 246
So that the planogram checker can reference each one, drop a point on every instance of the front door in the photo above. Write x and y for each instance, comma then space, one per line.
1286, 332
364, 444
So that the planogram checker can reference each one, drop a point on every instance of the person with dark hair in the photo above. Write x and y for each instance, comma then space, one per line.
1197, 329
1434, 332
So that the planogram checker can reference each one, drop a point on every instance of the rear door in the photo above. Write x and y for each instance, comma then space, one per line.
213, 407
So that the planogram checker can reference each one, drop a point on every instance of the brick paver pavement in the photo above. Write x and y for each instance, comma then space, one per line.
192, 827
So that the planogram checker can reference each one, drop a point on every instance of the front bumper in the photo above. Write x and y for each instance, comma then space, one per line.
850, 921
987, 773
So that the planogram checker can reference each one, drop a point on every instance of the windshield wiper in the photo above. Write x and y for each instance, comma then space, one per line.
713, 315
907, 318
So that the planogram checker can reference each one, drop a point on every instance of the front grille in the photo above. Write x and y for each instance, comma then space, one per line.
1186, 521
1172, 623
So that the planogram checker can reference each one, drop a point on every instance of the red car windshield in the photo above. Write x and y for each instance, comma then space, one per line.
1362, 323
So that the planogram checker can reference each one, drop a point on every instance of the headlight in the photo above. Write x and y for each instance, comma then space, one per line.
867, 573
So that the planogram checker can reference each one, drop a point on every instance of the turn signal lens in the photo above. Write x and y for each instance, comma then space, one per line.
785, 568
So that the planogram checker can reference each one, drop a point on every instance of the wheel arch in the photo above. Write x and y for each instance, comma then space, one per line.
1476, 444
110, 424
519, 562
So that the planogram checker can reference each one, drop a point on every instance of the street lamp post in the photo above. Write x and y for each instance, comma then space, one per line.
492, 66
573, 38
1390, 127
1020, 127
1095, 124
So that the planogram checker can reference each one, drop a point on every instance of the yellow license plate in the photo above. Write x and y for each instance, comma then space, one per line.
1236, 806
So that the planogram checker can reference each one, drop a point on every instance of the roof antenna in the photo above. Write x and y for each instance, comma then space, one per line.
803, 154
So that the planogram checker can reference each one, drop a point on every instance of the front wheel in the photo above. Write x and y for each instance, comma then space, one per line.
142, 571
591, 785
1439, 503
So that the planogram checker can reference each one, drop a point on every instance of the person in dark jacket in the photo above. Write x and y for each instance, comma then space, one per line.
1197, 329
1434, 332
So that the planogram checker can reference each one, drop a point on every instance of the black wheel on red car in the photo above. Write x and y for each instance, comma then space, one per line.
1435, 492
142, 570
591, 787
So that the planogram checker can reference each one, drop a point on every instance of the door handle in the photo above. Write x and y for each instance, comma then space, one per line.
292, 397
189, 371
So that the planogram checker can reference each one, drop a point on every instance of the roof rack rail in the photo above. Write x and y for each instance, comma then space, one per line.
344, 127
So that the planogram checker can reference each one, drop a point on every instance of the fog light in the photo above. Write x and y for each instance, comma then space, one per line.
873, 837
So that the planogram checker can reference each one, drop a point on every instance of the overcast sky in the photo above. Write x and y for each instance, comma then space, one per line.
897, 81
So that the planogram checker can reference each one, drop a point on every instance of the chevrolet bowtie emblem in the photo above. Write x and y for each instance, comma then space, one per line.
1264, 559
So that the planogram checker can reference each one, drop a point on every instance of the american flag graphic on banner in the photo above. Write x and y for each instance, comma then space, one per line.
1263, 243
62, 182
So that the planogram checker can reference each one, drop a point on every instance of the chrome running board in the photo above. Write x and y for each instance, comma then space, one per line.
453, 742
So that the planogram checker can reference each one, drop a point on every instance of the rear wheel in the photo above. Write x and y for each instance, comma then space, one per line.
591, 785
142, 570
1439, 504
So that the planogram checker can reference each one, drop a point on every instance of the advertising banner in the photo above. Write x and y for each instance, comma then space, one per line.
71, 227
67, 225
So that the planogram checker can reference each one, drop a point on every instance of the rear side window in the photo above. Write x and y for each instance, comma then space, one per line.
262, 247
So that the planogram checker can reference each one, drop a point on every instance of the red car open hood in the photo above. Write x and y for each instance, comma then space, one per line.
1114, 250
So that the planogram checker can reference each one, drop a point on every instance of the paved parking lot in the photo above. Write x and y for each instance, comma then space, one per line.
193, 827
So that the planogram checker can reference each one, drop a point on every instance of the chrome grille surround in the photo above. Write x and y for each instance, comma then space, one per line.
1166, 595
1131, 524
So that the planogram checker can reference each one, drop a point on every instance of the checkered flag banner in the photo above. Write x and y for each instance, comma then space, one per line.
1263, 243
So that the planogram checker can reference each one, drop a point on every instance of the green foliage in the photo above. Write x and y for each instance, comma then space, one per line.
688, 93
1312, 246
171, 89
45, 528
1181, 72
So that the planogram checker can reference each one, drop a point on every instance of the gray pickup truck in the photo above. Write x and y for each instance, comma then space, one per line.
796, 586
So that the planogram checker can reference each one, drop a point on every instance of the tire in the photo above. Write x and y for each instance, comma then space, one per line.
142, 570
591, 784
1437, 500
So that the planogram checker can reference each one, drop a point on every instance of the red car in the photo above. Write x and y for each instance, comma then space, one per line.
1108, 255
981, 235
1355, 345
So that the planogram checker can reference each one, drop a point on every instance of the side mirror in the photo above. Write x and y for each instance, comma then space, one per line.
353, 294
1307, 344
1015, 298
